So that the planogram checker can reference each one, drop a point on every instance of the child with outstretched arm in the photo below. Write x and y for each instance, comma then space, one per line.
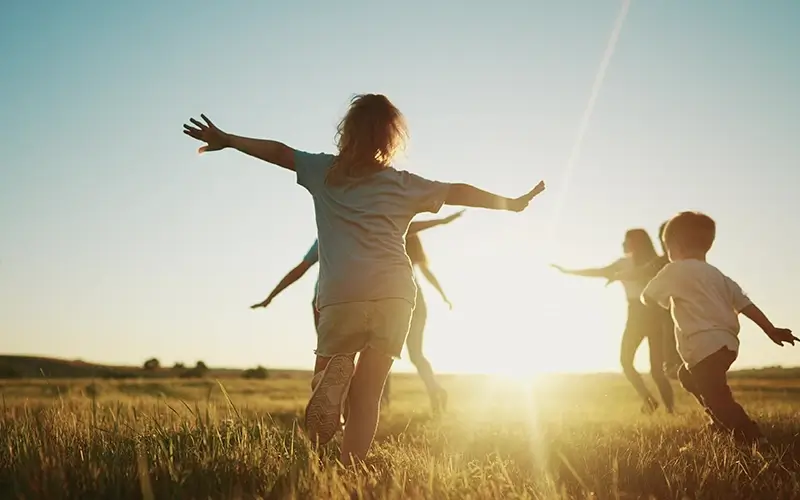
705, 304
363, 208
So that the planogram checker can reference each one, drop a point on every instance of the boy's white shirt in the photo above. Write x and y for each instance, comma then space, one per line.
705, 306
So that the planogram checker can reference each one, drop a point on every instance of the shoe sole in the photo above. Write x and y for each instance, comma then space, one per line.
324, 410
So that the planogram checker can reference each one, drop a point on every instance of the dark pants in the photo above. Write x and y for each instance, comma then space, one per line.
707, 381
644, 322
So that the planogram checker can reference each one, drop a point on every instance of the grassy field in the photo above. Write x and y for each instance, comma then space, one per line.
567, 437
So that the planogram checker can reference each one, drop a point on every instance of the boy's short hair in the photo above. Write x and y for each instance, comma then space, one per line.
692, 231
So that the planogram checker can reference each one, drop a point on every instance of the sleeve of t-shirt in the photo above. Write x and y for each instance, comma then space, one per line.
311, 169
739, 299
424, 195
312, 256
661, 287
619, 265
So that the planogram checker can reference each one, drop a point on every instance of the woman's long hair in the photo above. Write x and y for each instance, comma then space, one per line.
368, 137
640, 246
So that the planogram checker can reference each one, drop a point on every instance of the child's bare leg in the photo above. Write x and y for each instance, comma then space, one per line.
364, 399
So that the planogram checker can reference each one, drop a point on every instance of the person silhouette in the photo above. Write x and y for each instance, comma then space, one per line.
642, 323
366, 296
646, 272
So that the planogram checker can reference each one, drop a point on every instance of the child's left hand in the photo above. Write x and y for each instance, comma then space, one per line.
781, 335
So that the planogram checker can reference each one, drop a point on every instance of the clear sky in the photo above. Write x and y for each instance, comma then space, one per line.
118, 242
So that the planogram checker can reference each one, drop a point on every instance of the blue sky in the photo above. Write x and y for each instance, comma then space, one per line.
118, 242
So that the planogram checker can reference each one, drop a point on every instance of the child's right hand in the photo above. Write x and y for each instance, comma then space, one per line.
521, 203
207, 132
781, 335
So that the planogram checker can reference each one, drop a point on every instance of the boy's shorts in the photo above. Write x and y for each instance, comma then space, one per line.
351, 327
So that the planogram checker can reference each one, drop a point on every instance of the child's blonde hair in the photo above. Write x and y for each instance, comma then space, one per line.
368, 137
692, 231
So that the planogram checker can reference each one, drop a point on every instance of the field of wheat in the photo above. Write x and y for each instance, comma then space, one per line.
564, 437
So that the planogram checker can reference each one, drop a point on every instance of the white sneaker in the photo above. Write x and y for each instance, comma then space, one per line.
324, 409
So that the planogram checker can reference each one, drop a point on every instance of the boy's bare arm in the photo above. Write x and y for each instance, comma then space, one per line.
777, 335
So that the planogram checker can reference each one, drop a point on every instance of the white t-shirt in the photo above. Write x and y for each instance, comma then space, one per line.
633, 289
705, 306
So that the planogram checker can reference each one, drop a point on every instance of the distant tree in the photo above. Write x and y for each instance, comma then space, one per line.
178, 366
200, 370
259, 373
152, 364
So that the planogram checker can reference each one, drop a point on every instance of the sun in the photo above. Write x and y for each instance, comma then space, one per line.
517, 318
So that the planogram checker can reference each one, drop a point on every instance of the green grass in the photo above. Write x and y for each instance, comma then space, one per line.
572, 437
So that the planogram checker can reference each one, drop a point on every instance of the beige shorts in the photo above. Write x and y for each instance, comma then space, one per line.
351, 327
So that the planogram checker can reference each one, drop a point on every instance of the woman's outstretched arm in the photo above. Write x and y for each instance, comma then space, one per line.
599, 272
426, 271
422, 225
465, 195
273, 152
288, 280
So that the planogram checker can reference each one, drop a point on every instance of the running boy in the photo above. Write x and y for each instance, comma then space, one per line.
705, 305
363, 208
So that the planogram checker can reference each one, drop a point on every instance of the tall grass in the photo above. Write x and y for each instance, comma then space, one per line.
579, 438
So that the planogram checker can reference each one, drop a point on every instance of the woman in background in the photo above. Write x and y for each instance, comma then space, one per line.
643, 322
672, 360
